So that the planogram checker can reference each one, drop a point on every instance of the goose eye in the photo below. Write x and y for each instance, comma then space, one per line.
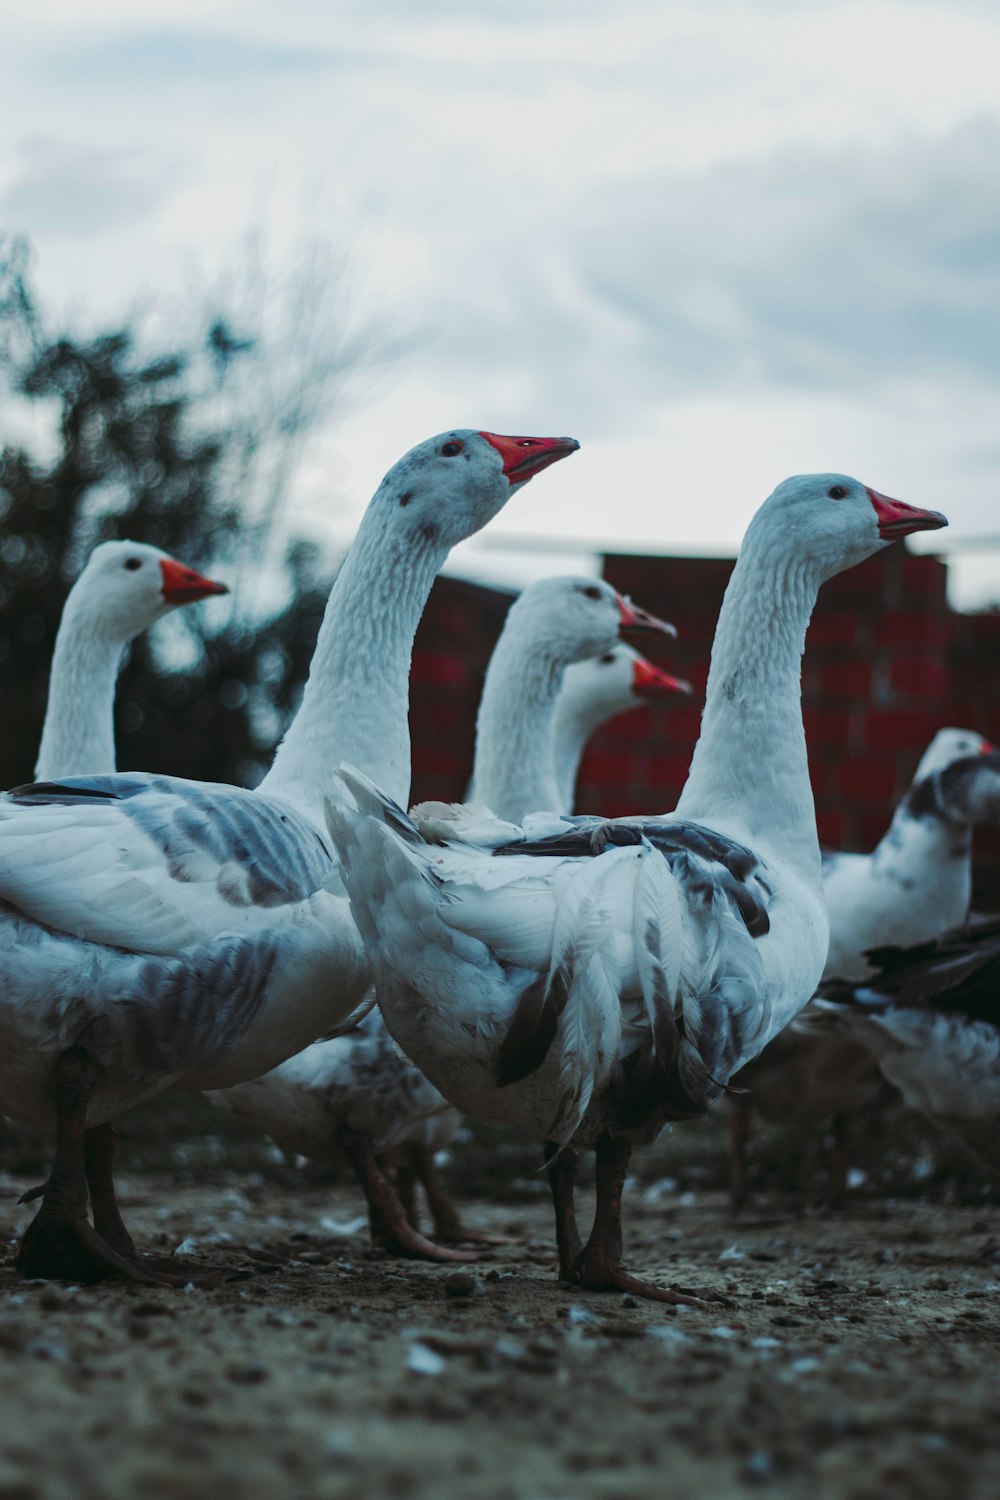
837, 492
132, 563
591, 592
451, 450
608, 660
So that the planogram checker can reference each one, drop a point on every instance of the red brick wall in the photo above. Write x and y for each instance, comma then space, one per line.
887, 663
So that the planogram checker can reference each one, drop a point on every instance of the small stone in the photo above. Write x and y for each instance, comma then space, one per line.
461, 1284
248, 1374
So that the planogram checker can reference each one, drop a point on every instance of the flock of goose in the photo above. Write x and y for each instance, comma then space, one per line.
583, 980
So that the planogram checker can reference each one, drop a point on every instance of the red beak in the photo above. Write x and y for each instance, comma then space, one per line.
896, 518
182, 585
649, 682
634, 620
524, 457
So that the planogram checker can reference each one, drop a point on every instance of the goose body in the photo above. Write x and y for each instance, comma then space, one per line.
160, 933
359, 1080
916, 884
124, 588
587, 981
360, 1083
930, 1017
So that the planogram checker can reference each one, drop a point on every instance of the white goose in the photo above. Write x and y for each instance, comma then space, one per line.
355, 1096
158, 933
555, 623
589, 986
915, 885
595, 691
125, 588
917, 882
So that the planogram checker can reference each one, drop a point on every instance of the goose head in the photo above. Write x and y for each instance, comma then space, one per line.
450, 486
617, 680
570, 619
127, 586
948, 745
832, 521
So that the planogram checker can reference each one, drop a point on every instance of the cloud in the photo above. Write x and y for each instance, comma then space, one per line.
66, 191
141, 59
847, 269
839, 268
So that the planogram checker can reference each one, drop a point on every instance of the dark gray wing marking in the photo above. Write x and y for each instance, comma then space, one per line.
182, 1014
959, 973
702, 860
532, 1028
268, 855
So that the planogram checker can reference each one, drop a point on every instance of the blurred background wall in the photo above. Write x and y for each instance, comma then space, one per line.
887, 663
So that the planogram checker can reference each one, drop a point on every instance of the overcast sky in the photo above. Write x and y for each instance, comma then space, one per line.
718, 243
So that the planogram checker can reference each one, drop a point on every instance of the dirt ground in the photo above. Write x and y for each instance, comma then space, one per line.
855, 1355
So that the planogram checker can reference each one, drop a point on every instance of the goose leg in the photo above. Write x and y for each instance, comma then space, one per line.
59, 1244
99, 1159
390, 1226
561, 1167
448, 1225
740, 1130
599, 1266
406, 1189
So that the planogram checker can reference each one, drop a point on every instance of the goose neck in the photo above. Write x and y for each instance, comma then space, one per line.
514, 768
354, 705
573, 725
78, 733
750, 767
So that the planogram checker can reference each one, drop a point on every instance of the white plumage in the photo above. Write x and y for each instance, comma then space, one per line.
157, 933
511, 975
319, 1103
124, 588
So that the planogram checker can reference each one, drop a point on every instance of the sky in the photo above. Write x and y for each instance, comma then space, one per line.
719, 244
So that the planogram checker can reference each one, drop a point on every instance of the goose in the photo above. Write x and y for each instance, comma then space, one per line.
588, 980
555, 623
124, 588
917, 882
355, 1096
930, 1016
166, 934
595, 691
915, 885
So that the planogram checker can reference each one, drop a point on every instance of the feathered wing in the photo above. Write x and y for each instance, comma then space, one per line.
958, 972
154, 862
696, 904
622, 951
586, 963
418, 925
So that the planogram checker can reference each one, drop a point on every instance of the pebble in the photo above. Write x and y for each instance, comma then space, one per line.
252, 1373
461, 1284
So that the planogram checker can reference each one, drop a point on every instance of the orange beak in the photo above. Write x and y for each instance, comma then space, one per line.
896, 518
523, 457
636, 621
182, 585
649, 682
